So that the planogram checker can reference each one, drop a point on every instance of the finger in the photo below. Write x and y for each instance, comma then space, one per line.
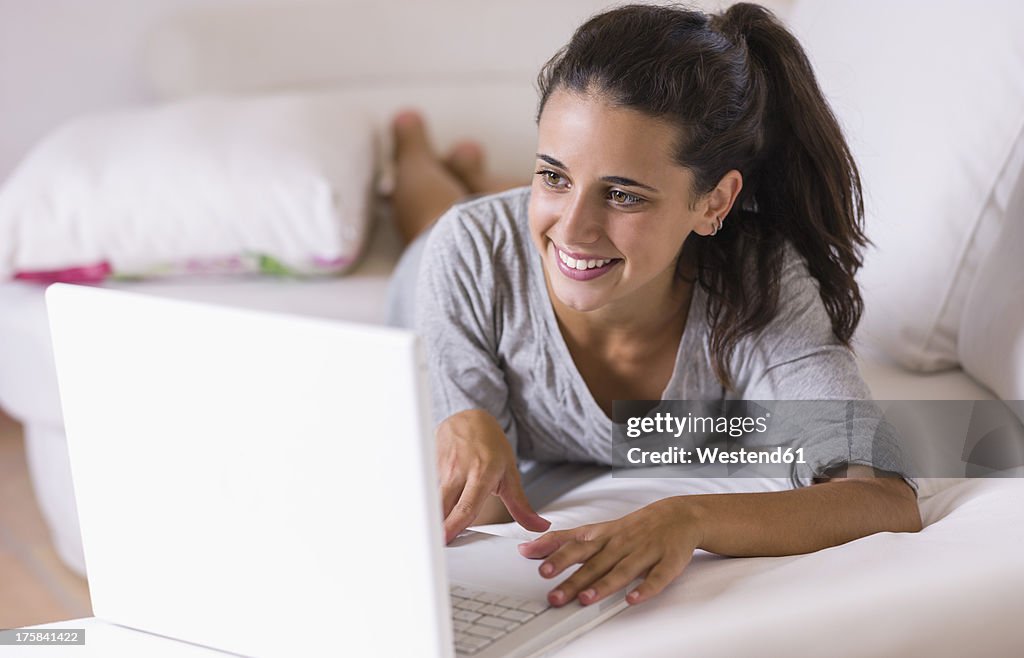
577, 551
623, 573
467, 508
519, 507
450, 493
546, 544
660, 576
593, 569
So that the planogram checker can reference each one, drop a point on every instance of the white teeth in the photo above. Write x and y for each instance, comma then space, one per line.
582, 264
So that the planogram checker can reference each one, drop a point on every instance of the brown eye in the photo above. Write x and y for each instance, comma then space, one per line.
625, 199
551, 179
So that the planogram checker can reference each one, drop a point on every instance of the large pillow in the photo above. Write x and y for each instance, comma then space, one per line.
991, 345
228, 184
932, 98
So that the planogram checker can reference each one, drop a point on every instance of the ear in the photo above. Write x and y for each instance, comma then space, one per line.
718, 202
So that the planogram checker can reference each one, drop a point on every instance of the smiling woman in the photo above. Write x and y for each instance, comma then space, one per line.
691, 232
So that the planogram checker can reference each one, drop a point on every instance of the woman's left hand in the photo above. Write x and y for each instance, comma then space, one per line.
656, 541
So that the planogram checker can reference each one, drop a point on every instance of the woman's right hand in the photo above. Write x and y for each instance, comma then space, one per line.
474, 461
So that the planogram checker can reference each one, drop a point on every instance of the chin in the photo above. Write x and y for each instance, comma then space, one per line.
582, 303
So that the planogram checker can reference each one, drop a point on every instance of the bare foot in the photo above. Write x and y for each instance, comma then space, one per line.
424, 187
466, 161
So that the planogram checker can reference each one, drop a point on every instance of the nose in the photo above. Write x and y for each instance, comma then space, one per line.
578, 223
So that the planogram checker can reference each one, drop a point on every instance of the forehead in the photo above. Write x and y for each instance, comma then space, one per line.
589, 127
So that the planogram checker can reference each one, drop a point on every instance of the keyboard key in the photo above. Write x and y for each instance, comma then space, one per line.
485, 631
493, 610
466, 615
533, 607
467, 647
467, 604
495, 622
476, 641
488, 597
460, 625
511, 602
516, 615
463, 592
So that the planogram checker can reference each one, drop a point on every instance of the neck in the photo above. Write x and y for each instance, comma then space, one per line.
644, 319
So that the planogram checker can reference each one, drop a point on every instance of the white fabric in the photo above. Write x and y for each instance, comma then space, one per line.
991, 345
470, 78
956, 588
275, 46
206, 184
932, 101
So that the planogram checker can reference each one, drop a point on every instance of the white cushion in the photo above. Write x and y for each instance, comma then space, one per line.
991, 343
362, 43
229, 184
932, 100
446, 57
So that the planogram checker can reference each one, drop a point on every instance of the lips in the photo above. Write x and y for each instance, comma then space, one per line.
592, 268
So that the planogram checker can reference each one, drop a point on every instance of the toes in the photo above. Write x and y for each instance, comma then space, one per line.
466, 160
410, 132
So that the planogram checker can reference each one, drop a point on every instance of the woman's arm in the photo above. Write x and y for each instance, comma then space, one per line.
658, 540
806, 519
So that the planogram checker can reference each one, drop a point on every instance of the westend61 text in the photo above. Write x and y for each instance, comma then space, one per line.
677, 455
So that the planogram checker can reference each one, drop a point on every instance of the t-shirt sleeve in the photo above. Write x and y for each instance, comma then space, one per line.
455, 304
798, 357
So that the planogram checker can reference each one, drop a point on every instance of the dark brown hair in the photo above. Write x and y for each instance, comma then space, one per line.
743, 95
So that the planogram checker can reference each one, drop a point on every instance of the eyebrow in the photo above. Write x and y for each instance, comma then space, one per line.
618, 180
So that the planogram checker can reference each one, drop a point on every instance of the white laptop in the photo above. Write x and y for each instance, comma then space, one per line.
264, 485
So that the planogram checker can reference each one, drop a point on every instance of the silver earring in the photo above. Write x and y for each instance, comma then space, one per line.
718, 226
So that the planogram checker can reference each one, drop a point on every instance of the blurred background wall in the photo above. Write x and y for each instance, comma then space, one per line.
61, 58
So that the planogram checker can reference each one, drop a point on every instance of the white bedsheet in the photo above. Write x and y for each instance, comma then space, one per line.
954, 589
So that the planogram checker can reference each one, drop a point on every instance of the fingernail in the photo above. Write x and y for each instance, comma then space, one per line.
557, 596
547, 569
588, 595
633, 596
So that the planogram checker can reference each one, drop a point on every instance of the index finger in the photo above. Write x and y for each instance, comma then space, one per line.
467, 509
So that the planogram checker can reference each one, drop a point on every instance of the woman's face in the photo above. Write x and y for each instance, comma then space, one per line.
609, 209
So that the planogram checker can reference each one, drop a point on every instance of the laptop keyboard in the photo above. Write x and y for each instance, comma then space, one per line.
480, 618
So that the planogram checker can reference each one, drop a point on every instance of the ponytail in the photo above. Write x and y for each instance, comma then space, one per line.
809, 183
742, 92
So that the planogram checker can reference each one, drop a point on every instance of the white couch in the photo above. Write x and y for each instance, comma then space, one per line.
882, 595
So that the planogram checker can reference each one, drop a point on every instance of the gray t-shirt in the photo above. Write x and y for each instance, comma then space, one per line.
473, 288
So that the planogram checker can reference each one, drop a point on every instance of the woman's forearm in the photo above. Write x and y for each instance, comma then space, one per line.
803, 520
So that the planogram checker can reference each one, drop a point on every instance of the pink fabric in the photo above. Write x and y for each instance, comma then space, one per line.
87, 274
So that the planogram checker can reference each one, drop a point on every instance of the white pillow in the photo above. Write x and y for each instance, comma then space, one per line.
274, 183
991, 345
932, 99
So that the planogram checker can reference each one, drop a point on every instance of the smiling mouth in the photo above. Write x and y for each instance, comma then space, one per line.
584, 269
583, 264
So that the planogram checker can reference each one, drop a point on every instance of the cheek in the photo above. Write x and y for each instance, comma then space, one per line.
649, 243
543, 214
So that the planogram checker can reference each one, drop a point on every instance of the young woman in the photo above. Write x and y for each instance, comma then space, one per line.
692, 232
